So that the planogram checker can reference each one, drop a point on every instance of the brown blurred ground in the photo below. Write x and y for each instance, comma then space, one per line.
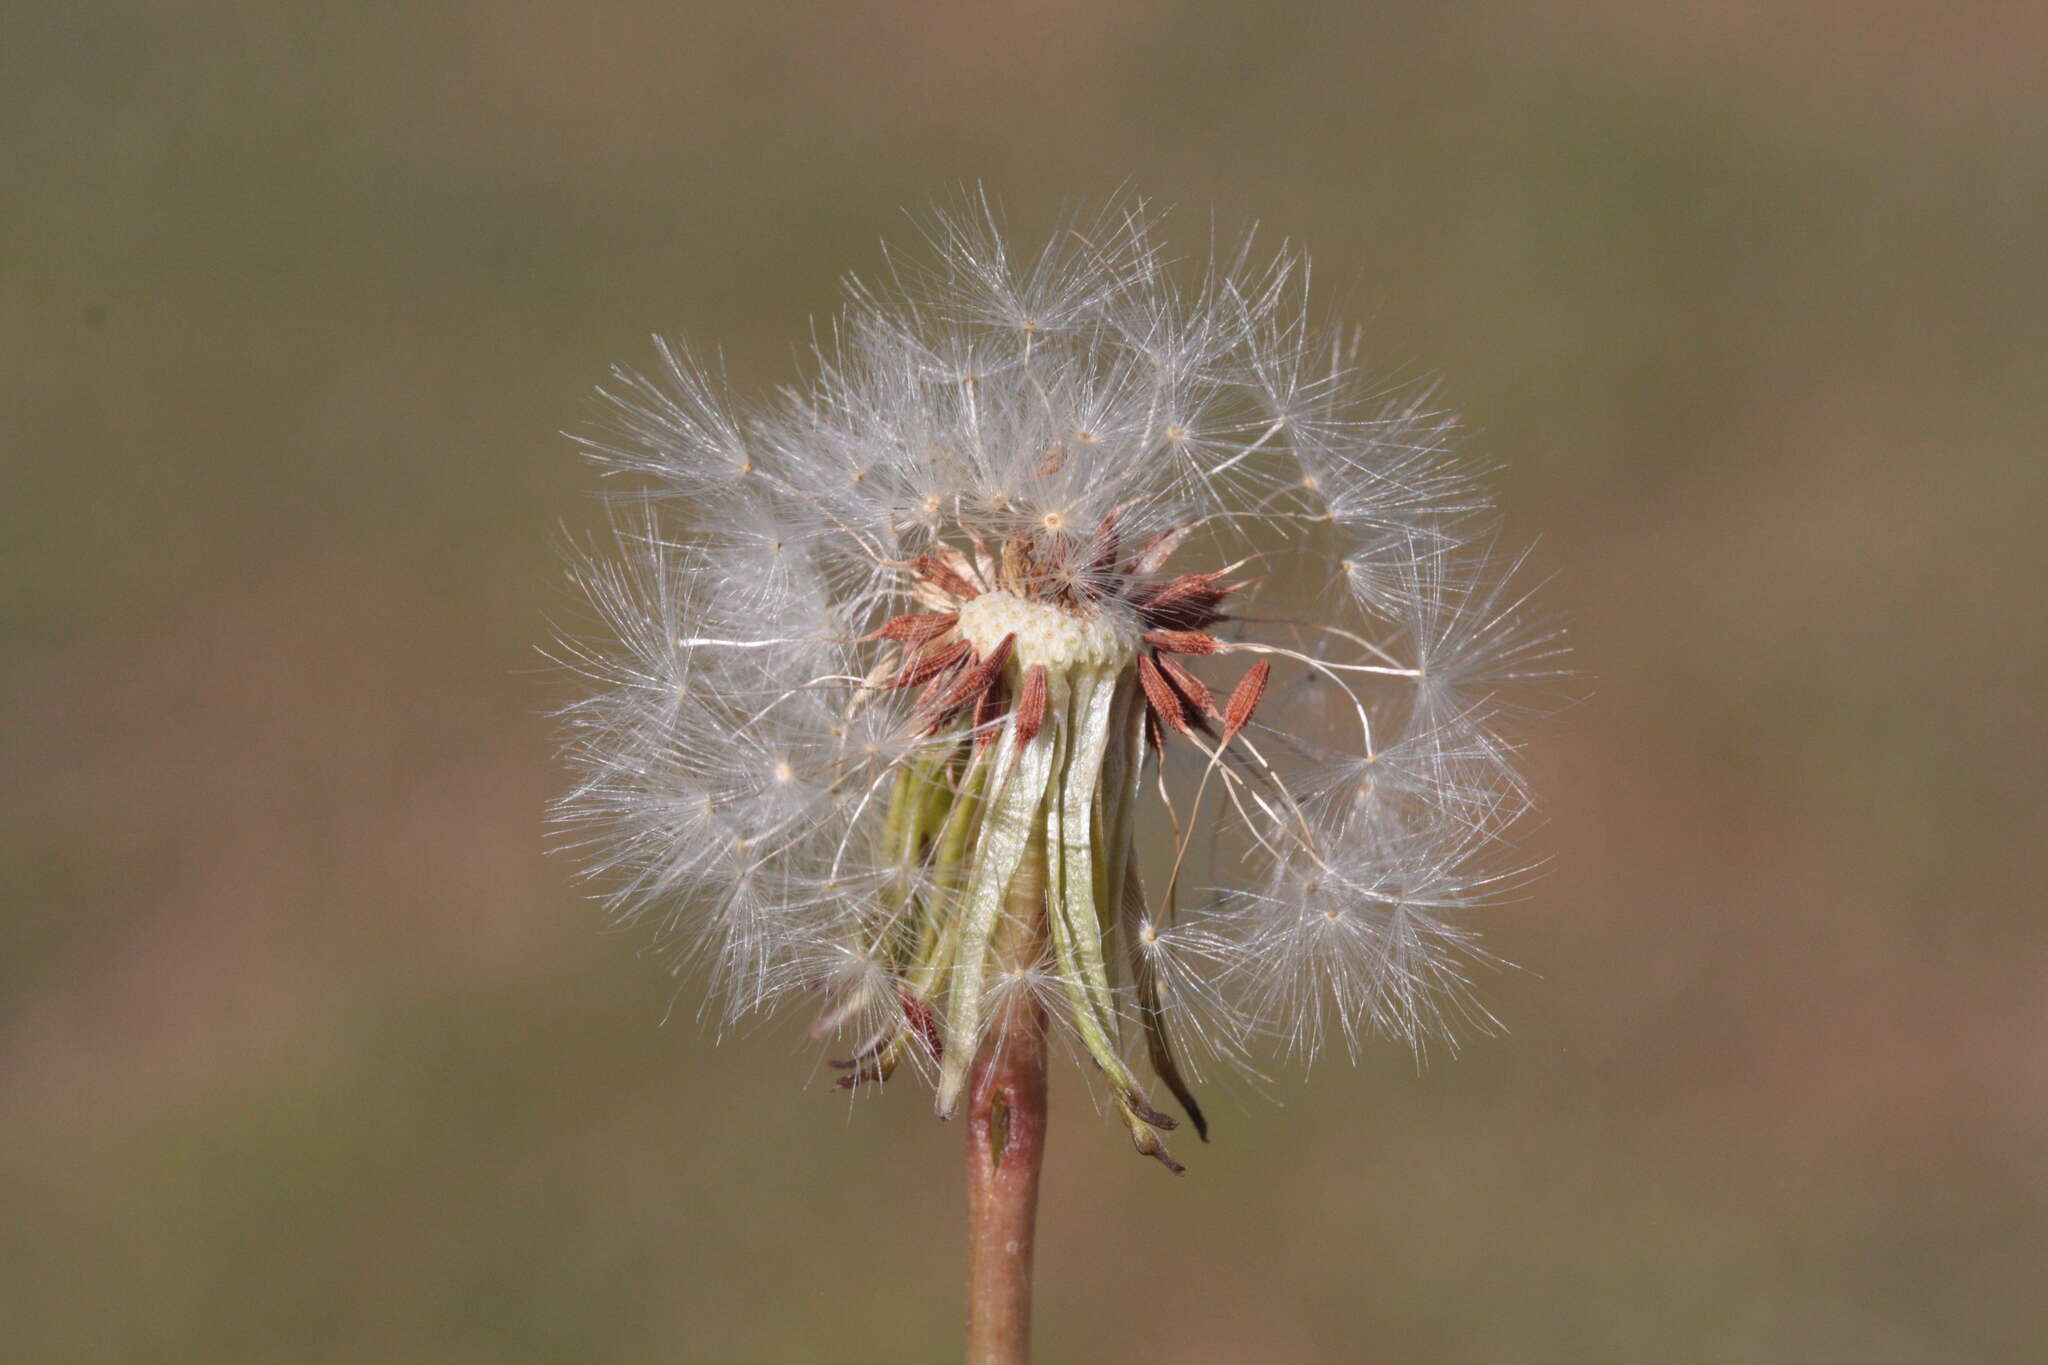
309, 1054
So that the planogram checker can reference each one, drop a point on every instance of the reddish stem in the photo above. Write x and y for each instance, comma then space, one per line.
1006, 1148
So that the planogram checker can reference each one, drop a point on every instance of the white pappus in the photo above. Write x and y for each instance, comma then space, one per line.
1044, 547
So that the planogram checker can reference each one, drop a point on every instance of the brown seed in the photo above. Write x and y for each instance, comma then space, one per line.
988, 711
940, 574
1244, 699
917, 627
1031, 706
927, 704
926, 661
1163, 700
979, 678
1181, 641
1192, 688
1185, 603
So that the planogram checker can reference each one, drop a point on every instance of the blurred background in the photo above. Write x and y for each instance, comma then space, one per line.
309, 1054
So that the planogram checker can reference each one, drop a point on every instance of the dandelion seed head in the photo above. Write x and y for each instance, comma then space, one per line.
1060, 574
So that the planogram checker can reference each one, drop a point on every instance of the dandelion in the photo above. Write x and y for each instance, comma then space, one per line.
1084, 649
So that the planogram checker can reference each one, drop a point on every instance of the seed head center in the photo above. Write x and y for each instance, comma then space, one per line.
1059, 637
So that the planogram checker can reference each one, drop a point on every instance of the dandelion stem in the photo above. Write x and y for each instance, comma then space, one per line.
1006, 1136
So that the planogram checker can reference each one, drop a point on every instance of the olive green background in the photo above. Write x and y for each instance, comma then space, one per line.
308, 1052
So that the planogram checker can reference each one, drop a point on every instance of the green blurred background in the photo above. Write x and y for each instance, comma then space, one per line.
311, 1055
